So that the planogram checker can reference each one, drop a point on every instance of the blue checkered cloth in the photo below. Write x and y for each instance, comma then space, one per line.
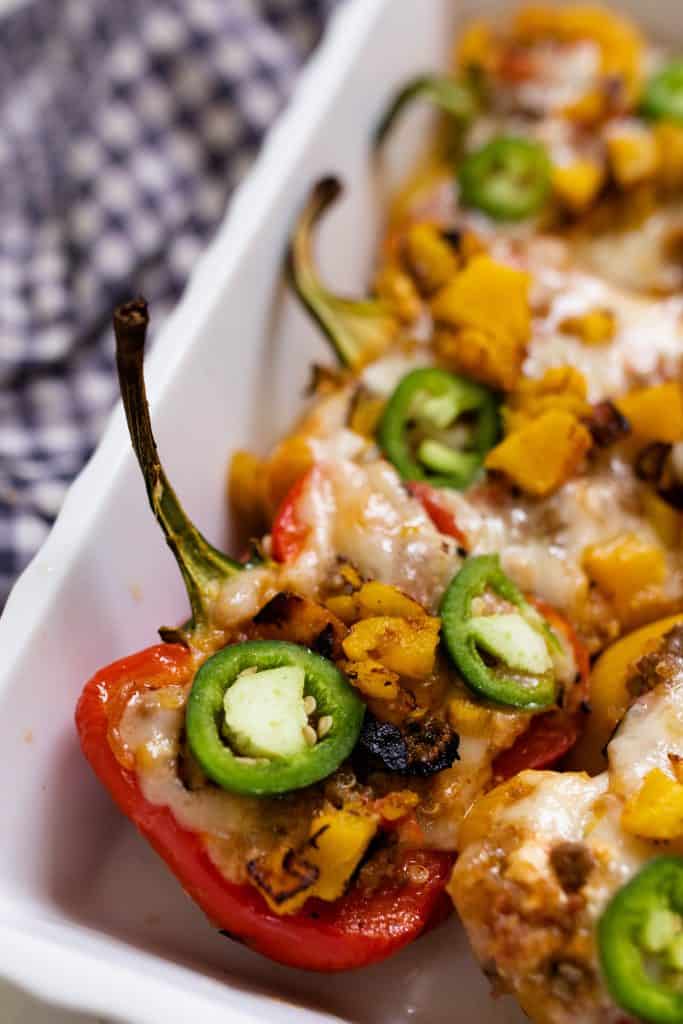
124, 126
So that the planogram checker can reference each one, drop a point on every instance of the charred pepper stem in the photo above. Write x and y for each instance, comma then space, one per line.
358, 329
202, 566
455, 98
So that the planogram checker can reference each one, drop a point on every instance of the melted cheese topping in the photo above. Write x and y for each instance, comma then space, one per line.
652, 729
517, 849
234, 828
362, 513
560, 806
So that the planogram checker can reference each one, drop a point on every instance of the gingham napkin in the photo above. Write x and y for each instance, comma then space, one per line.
124, 125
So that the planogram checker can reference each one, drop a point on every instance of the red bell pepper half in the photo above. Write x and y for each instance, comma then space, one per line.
358, 929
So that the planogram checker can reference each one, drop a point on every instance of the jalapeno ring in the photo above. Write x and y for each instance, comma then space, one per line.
508, 178
519, 641
663, 95
644, 920
251, 776
429, 405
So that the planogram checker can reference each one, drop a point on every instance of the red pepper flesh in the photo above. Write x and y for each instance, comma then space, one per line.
289, 532
438, 511
360, 928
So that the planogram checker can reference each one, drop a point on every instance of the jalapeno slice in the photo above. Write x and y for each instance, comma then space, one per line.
508, 178
261, 757
640, 940
517, 640
438, 427
663, 94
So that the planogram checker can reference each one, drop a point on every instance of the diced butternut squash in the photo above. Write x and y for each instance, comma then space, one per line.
478, 48
656, 810
322, 868
471, 245
467, 717
628, 570
246, 491
481, 338
372, 599
429, 258
596, 326
663, 517
375, 598
291, 459
588, 110
350, 575
402, 646
398, 290
344, 606
496, 362
655, 413
374, 680
669, 136
339, 838
633, 156
576, 185
609, 693
542, 455
560, 387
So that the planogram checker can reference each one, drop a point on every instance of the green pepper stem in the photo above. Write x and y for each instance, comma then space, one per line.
202, 566
358, 329
453, 97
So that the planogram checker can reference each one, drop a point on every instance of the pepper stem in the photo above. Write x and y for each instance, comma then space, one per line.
455, 98
202, 566
358, 329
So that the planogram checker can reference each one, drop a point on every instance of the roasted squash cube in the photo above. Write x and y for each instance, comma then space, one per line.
633, 156
339, 838
481, 338
429, 258
656, 810
576, 185
655, 413
628, 570
402, 646
542, 455
374, 680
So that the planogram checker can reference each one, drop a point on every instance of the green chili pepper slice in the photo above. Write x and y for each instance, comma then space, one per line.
508, 178
663, 94
267, 775
640, 940
518, 642
438, 427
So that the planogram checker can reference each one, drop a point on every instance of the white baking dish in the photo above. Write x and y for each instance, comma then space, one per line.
89, 917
